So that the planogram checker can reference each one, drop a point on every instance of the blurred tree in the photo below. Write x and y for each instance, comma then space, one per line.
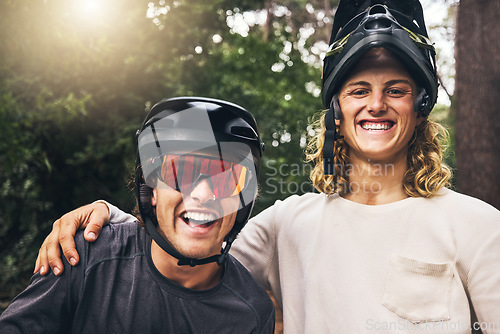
477, 87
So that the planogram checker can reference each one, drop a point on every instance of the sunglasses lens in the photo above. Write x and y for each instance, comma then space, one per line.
183, 172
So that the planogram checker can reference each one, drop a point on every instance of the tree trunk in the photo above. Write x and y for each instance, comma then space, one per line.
477, 95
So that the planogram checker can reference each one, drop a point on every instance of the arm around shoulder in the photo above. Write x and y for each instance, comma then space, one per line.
116, 215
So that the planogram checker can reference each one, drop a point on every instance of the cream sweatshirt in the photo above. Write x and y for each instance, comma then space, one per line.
416, 265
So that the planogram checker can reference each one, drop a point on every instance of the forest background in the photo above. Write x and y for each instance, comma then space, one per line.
77, 78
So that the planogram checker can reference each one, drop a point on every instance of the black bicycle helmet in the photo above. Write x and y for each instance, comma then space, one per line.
380, 25
360, 26
204, 127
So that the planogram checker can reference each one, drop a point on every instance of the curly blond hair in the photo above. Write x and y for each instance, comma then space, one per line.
426, 173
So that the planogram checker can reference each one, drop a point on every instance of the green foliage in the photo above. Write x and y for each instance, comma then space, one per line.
74, 87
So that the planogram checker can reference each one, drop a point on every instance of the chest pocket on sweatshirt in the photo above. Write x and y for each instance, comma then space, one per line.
418, 291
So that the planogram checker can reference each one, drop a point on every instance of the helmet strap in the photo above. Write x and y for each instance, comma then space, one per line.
332, 119
183, 260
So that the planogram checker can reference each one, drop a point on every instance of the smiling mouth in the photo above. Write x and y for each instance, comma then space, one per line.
199, 219
377, 126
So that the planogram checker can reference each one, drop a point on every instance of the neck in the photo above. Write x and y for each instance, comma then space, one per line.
199, 277
376, 182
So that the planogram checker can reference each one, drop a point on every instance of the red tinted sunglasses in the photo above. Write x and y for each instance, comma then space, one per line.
184, 172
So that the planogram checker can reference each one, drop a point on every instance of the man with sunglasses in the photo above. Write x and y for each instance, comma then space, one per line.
170, 272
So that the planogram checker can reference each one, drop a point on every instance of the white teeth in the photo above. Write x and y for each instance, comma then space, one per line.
200, 217
376, 126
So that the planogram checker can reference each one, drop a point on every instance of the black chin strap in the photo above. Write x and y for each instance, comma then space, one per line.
183, 261
331, 136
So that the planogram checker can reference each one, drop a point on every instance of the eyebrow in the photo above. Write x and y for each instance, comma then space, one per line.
357, 83
388, 83
397, 81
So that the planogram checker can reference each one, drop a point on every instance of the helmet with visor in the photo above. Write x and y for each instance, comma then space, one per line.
186, 140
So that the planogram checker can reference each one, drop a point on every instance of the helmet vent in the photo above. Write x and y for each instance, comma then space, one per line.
381, 23
377, 9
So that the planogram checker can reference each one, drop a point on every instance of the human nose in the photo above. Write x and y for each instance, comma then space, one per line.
202, 192
376, 103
